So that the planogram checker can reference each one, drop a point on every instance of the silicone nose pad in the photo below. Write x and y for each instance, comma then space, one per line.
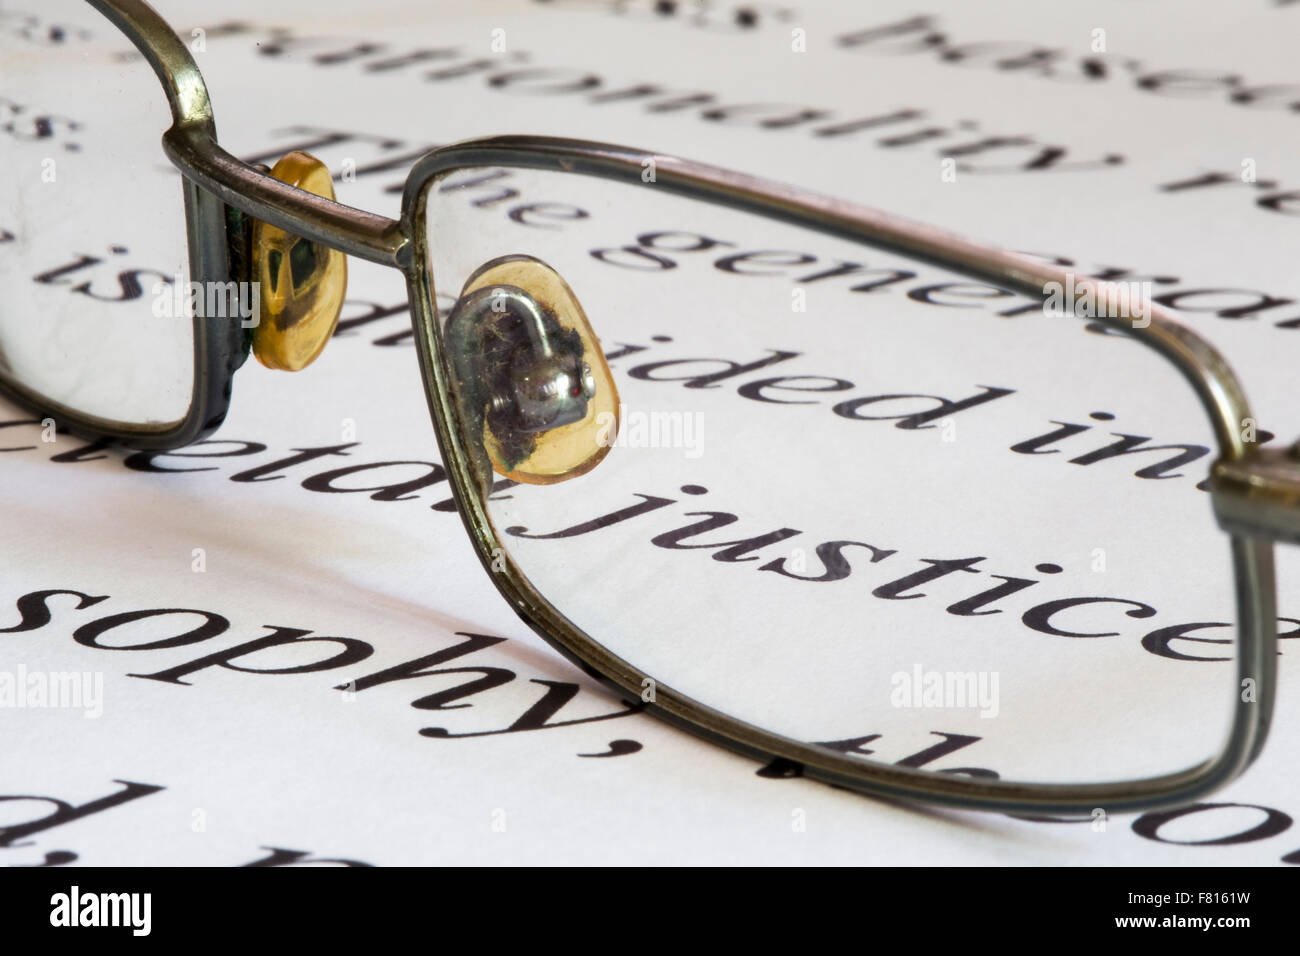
302, 285
534, 389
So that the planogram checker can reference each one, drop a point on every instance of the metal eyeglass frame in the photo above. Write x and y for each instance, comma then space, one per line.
1255, 491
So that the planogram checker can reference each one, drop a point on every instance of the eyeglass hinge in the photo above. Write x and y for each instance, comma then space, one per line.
1259, 496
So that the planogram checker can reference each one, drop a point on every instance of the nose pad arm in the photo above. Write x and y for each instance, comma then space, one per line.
532, 384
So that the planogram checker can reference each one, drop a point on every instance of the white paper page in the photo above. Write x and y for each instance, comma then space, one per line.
217, 766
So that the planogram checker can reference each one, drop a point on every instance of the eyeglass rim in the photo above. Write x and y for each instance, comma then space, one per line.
1252, 559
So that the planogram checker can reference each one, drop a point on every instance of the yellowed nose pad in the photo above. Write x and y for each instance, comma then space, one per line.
534, 389
301, 284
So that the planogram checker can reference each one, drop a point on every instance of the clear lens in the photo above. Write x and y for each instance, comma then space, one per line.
860, 501
93, 254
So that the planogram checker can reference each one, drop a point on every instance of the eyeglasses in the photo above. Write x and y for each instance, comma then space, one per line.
848, 494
